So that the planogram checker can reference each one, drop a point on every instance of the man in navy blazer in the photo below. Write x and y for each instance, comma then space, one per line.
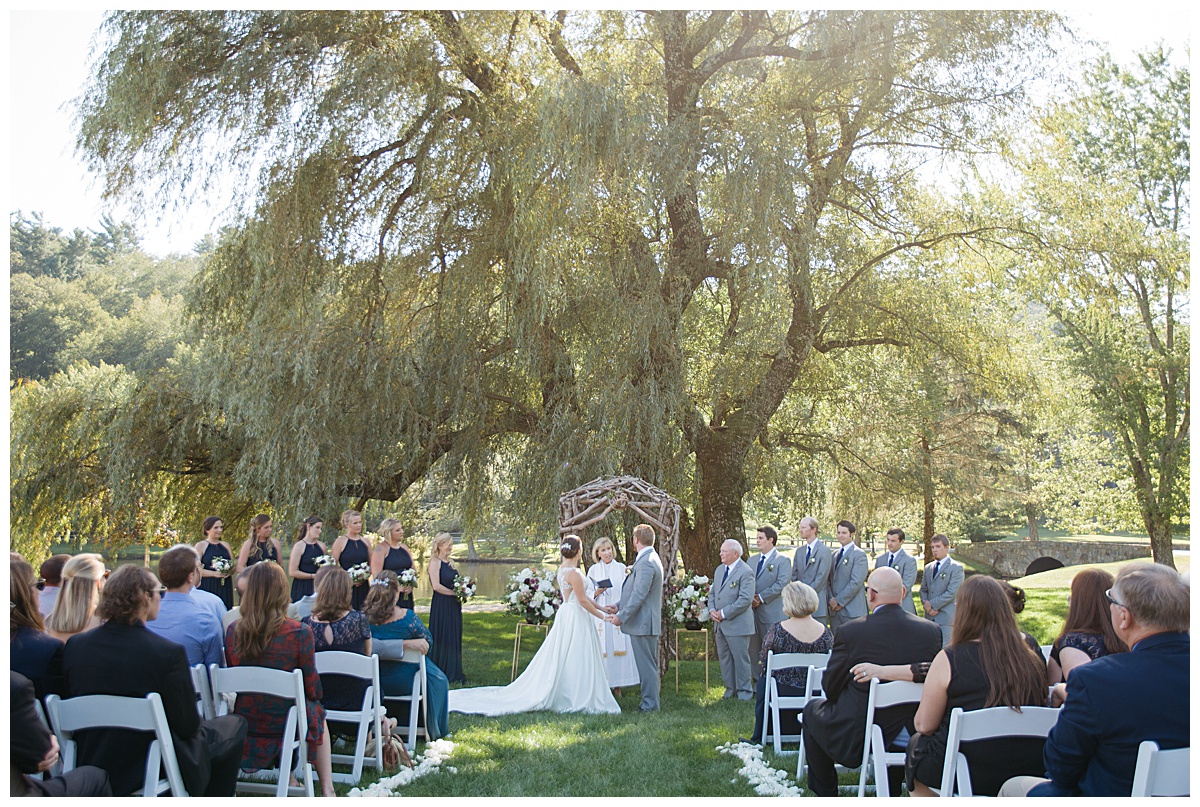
1117, 701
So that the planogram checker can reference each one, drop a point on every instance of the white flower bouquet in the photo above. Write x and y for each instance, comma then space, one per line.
687, 599
533, 596
408, 577
464, 587
221, 566
360, 573
325, 560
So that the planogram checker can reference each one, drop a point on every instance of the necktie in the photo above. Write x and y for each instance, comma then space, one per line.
808, 555
841, 552
724, 576
936, 566
891, 558
758, 571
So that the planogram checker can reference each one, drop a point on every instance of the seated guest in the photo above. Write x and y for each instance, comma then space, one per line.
180, 618
304, 605
265, 637
235, 613
32, 652
1016, 598
834, 725
1118, 701
51, 573
33, 750
986, 664
75, 607
122, 658
337, 626
391, 622
799, 633
1088, 632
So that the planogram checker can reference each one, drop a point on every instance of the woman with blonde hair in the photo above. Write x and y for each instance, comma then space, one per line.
393, 555
445, 610
75, 608
350, 550
265, 637
606, 576
260, 545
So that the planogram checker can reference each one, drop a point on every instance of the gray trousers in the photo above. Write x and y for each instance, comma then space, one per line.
645, 656
734, 654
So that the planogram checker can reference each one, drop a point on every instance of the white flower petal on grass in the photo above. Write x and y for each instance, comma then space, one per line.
435, 754
765, 780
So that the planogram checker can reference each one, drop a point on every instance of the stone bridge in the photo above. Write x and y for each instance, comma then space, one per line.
1019, 558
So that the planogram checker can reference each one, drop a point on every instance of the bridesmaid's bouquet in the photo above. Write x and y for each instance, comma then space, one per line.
408, 577
687, 598
221, 566
360, 573
325, 560
533, 596
464, 587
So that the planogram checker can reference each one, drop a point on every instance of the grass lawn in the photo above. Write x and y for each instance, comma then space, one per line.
672, 753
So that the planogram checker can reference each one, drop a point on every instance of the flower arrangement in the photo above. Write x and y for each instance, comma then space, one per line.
360, 573
221, 566
464, 587
533, 596
408, 577
687, 599
325, 560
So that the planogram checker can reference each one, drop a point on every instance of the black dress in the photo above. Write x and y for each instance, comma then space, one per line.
308, 564
221, 586
397, 560
445, 623
350, 633
266, 551
992, 762
354, 553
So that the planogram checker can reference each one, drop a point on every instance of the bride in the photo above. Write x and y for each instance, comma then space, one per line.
567, 672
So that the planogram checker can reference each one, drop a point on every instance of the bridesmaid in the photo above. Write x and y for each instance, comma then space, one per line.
445, 612
302, 563
351, 549
211, 547
394, 556
261, 545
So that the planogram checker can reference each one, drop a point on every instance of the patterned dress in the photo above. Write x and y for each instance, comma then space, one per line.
350, 635
1090, 643
791, 680
221, 586
396, 677
291, 649
445, 621
308, 565
397, 560
355, 552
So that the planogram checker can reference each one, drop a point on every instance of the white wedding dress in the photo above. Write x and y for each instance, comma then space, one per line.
565, 675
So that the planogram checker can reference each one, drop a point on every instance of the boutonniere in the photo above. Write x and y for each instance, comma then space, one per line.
770, 567
845, 560
733, 584
942, 576
811, 561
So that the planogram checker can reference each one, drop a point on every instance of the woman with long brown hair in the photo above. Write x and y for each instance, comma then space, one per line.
987, 663
265, 637
1088, 632
211, 548
260, 545
33, 653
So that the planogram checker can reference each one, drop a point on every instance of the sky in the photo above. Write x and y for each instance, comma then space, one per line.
49, 55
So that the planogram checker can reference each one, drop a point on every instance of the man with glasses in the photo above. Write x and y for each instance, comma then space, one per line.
180, 618
1116, 702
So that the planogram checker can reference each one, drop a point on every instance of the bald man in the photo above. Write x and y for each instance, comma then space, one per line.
833, 725
733, 621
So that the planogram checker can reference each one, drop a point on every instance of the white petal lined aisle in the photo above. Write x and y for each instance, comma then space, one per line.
767, 781
436, 753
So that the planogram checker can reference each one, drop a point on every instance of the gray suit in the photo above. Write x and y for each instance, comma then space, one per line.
732, 598
846, 579
812, 569
939, 587
906, 565
768, 585
641, 620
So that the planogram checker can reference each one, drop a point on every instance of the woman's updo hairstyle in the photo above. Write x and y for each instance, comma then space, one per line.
570, 546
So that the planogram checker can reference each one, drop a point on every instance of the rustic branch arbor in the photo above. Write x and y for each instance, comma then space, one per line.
596, 500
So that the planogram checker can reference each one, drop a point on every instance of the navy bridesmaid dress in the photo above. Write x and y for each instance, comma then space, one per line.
221, 586
354, 553
308, 564
445, 623
397, 560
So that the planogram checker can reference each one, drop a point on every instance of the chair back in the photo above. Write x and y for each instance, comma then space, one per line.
417, 699
986, 724
782, 661
114, 712
881, 696
1046, 648
367, 717
773, 702
1161, 773
204, 698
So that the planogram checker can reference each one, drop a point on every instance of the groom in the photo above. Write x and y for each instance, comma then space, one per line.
640, 613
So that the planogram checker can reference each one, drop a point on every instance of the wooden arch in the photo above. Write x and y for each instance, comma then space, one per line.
596, 500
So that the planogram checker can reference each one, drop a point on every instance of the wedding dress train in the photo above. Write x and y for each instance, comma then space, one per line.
565, 675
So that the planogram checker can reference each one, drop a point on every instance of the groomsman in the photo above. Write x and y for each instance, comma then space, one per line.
939, 586
772, 572
733, 622
904, 563
811, 565
847, 598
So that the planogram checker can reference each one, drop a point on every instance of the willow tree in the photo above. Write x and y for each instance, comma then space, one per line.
558, 246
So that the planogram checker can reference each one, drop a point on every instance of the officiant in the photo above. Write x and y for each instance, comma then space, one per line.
605, 578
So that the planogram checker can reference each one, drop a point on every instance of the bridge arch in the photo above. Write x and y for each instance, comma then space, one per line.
1043, 564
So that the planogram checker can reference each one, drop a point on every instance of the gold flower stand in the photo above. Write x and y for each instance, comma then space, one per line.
517, 643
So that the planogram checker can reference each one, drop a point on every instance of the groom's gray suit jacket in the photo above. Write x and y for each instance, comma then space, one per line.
641, 597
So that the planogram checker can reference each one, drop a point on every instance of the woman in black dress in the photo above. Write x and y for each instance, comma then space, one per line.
445, 612
351, 549
302, 563
211, 547
394, 556
261, 545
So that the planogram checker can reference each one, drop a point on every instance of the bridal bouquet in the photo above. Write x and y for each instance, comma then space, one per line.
464, 587
687, 598
408, 577
533, 596
325, 560
221, 565
360, 573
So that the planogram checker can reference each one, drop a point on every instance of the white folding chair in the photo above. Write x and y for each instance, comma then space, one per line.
987, 724
113, 712
813, 688
367, 718
773, 701
416, 700
204, 699
876, 757
280, 684
1046, 648
1161, 773
57, 768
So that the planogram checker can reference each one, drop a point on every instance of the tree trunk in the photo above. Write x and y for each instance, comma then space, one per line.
1031, 518
720, 455
927, 499
472, 553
